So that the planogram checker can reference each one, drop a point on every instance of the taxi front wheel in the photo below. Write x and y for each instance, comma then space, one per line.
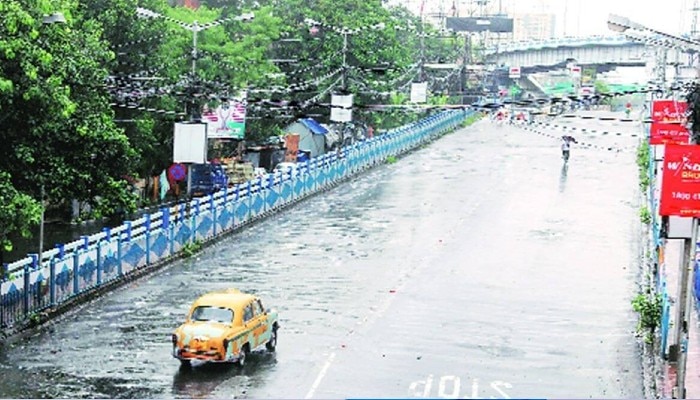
185, 364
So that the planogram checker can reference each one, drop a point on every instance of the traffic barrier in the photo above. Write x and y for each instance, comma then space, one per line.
82, 267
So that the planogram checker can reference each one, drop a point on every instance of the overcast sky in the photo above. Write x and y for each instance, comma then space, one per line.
589, 17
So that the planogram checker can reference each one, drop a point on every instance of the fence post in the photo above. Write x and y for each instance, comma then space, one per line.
128, 230
214, 215
171, 238
2, 300
27, 290
86, 241
193, 221
76, 271
120, 270
99, 261
61, 250
52, 281
165, 214
250, 201
148, 238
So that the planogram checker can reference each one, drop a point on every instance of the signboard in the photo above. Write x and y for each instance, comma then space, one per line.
669, 111
480, 24
419, 92
575, 71
227, 120
678, 227
680, 187
190, 143
341, 108
668, 122
514, 73
587, 91
661, 133
177, 172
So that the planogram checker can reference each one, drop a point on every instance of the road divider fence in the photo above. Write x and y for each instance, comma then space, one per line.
71, 271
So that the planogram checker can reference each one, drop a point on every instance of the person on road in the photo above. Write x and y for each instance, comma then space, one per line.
565, 149
566, 146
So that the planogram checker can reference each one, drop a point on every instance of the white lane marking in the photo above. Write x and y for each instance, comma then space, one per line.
368, 320
320, 376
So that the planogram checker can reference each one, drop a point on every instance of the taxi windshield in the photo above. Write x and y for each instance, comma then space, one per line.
215, 314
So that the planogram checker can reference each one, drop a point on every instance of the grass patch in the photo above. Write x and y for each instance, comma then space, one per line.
643, 152
190, 249
645, 215
650, 308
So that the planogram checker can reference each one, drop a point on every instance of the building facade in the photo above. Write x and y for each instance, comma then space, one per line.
528, 26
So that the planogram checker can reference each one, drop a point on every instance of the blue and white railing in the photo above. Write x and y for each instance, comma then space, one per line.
85, 265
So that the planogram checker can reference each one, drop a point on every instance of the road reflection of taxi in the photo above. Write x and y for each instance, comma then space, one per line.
225, 326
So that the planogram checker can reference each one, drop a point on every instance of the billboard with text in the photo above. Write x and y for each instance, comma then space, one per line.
680, 188
227, 120
480, 24
668, 122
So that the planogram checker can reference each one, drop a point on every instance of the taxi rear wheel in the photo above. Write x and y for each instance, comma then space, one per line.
272, 343
185, 364
244, 355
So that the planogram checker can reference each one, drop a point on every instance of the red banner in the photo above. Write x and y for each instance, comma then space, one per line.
680, 188
668, 111
661, 133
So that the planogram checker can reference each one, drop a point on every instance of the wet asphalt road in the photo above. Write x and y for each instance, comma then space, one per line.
477, 266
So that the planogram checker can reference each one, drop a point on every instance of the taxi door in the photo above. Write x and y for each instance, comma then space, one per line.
261, 331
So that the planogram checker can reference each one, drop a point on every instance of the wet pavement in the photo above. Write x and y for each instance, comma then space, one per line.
478, 266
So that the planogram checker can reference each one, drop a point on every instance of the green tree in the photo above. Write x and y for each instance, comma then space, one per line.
693, 99
602, 88
56, 115
18, 213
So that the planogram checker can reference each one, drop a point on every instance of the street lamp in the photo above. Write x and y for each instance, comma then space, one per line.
55, 18
617, 23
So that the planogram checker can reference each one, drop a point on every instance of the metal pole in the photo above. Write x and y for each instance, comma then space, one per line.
41, 227
685, 298
685, 306
345, 65
466, 60
422, 49
192, 112
195, 29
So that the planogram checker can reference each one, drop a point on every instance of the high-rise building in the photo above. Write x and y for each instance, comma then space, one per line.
528, 26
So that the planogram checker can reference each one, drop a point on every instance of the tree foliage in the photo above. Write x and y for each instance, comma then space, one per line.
77, 100
56, 117
693, 99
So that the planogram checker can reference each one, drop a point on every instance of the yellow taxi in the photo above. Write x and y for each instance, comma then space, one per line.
225, 326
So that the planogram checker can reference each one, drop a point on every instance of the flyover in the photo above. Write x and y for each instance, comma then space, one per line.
551, 54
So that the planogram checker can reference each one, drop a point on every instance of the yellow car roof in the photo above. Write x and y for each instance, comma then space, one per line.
229, 298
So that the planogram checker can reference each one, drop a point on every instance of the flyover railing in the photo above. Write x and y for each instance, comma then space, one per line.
77, 268
531, 45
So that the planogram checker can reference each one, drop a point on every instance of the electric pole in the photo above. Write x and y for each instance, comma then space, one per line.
685, 297
345, 60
